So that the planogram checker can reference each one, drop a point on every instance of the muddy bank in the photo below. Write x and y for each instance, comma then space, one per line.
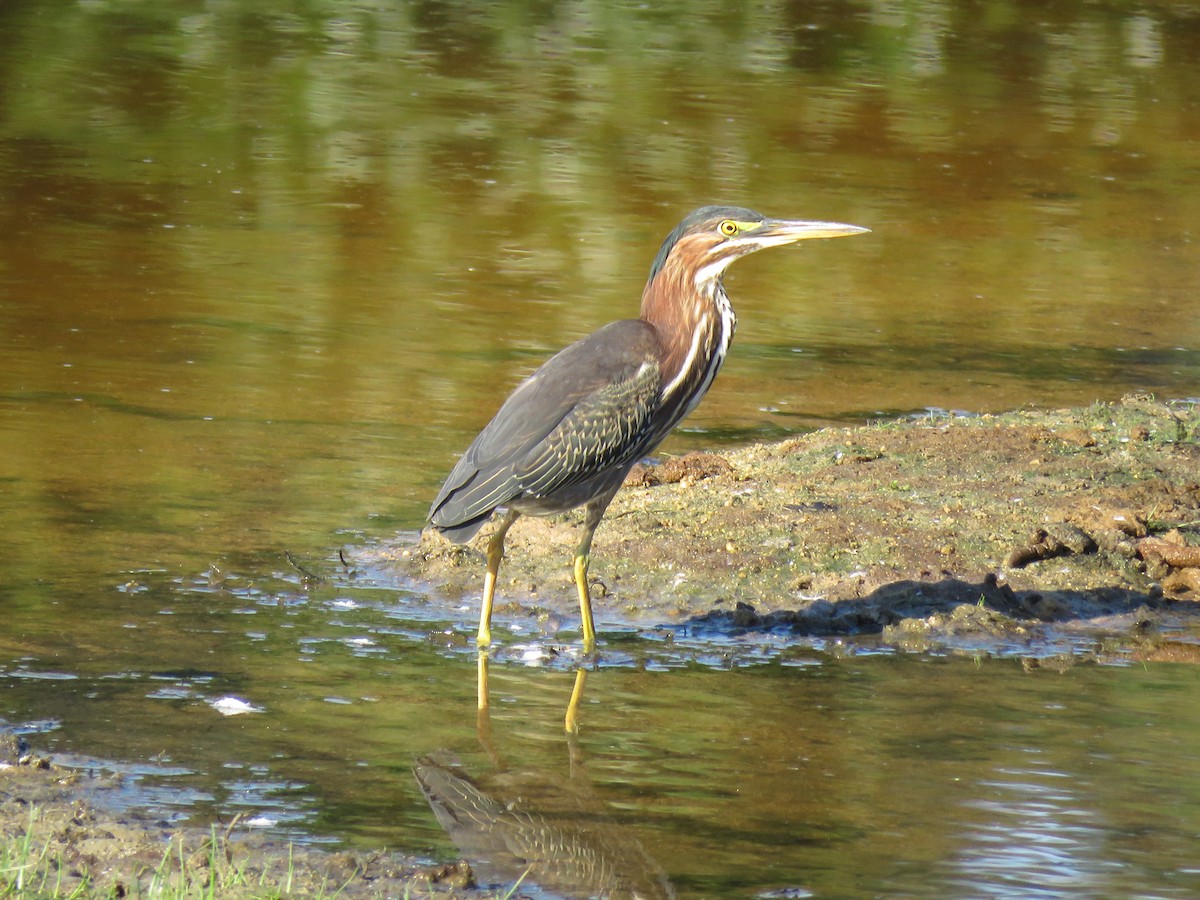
61, 837
1006, 528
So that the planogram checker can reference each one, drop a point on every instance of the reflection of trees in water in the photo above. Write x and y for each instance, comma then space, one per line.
552, 97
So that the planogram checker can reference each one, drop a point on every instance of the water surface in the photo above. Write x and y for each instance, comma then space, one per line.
740, 768
264, 269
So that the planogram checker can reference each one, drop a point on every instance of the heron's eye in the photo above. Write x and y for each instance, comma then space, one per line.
728, 228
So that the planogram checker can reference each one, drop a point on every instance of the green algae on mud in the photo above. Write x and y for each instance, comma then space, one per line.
1046, 519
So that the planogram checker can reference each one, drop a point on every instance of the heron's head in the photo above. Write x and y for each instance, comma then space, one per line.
704, 244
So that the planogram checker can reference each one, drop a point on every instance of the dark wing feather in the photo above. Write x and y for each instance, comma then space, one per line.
598, 433
557, 428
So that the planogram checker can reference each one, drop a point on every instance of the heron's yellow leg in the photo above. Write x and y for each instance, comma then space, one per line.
583, 557
572, 719
495, 553
585, 601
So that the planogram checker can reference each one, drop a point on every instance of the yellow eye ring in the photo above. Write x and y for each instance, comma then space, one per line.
728, 228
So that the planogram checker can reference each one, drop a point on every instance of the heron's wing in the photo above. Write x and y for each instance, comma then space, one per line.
599, 432
581, 412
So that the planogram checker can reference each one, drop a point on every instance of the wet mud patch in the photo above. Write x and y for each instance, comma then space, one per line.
1014, 528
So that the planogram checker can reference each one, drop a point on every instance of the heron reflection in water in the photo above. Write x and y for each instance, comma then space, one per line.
552, 831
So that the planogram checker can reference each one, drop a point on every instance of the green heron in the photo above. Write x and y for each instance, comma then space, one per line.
570, 432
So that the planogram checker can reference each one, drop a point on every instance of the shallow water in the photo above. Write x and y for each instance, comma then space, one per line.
264, 270
739, 767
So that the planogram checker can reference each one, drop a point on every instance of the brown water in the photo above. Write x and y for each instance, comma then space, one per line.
264, 269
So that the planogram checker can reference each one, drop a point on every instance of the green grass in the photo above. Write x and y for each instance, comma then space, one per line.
205, 869
28, 870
